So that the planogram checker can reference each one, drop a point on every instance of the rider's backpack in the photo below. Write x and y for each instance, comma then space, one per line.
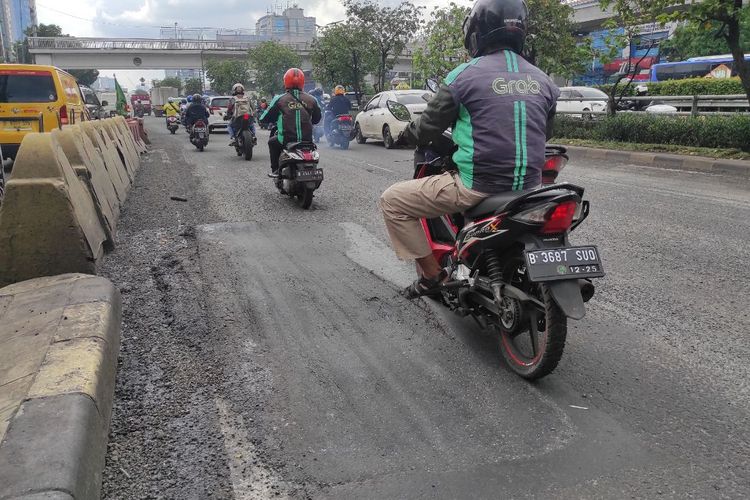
241, 105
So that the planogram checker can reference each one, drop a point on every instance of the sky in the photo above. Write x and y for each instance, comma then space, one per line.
142, 18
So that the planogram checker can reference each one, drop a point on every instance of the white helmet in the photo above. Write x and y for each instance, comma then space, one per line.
641, 89
238, 88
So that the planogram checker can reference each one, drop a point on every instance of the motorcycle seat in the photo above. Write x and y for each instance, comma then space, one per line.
301, 145
498, 203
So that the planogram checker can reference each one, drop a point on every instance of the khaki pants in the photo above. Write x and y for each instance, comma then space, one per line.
403, 204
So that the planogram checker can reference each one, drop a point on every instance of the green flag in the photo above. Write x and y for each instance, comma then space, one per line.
122, 102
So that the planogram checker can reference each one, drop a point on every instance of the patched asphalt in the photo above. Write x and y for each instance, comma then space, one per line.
266, 351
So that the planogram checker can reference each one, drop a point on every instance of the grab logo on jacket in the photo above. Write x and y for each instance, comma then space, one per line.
501, 86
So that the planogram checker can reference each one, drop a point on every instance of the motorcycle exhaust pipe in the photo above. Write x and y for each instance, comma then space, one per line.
587, 289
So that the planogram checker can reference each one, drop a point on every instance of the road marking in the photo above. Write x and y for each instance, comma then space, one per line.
250, 478
164, 156
578, 407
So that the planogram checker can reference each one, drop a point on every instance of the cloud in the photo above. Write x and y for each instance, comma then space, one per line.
142, 18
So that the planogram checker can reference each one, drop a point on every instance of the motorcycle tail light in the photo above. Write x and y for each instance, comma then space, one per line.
552, 168
345, 118
560, 218
554, 218
246, 116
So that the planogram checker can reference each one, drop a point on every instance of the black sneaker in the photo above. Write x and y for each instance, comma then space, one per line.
426, 287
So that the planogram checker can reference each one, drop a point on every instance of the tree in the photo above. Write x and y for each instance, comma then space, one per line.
443, 47
550, 43
193, 86
725, 17
269, 61
224, 73
85, 76
694, 39
624, 31
391, 28
170, 81
21, 48
45, 30
343, 55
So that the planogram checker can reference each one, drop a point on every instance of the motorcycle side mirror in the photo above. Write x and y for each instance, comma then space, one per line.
398, 110
105, 103
432, 85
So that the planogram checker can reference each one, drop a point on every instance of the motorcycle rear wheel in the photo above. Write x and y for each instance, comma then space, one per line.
534, 359
344, 144
305, 198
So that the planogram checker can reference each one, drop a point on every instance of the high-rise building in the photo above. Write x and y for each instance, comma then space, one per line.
15, 16
291, 26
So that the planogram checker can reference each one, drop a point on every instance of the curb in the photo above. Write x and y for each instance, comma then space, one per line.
738, 168
59, 342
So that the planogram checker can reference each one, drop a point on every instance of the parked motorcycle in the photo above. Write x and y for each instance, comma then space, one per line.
299, 174
172, 124
245, 139
340, 131
199, 135
511, 264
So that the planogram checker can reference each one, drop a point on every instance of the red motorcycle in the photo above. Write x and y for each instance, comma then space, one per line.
511, 264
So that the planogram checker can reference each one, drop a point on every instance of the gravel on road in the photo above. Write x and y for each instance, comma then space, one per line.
267, 353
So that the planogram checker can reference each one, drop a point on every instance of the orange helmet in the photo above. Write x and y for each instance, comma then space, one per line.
294, 78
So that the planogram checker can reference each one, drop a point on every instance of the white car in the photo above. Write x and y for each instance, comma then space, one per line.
375, 121
217, 106
585, 99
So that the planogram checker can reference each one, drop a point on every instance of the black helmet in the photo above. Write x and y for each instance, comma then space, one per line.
496, 24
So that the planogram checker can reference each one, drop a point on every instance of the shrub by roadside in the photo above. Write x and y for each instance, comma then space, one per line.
716, 131
689, 86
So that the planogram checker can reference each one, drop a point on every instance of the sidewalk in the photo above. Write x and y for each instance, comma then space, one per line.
664, 160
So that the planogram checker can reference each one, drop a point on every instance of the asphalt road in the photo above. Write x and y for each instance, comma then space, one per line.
267, 353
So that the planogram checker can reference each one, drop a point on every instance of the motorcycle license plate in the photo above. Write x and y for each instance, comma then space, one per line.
563, 263
310, 174
199, 130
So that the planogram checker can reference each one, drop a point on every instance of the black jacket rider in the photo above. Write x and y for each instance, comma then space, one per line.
195, 112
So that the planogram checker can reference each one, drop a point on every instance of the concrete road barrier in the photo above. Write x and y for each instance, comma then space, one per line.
92, 171
133, 126
120, 127
114, 136
48, 220
115, 166
59, 342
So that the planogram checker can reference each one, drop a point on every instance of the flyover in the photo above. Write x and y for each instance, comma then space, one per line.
152, 54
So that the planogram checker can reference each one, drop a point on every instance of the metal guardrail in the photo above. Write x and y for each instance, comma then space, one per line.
686, 105
145, 44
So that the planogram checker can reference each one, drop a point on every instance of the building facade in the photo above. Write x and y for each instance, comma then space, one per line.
290, 26
15, 17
